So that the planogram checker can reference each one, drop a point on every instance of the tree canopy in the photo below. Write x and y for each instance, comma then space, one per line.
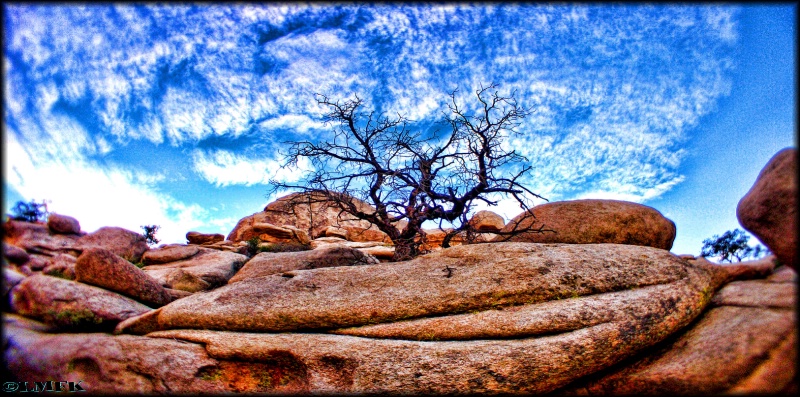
410, 177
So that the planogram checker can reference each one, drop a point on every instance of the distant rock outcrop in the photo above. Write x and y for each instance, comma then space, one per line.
769, 209
594, 221
125, 243
309, 213
203, 238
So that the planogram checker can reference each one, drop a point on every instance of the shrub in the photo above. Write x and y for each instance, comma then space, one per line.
30, 211
150, 234
252, 245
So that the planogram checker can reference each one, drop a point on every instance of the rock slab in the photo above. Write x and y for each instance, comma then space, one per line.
103, 268
769, 209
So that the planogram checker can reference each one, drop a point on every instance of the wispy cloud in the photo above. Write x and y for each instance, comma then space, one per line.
615, 88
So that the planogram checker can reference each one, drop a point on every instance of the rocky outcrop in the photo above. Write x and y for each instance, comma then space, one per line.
62, 265
71, 305
309, 213
454, 281
107, 364
769, 209
63, 224
212, 267
122, 242
268, 263
103, 268
36, 238
745, 344
593, 221
203, 238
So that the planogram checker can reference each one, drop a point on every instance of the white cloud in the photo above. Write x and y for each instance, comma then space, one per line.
224, 168
99, 196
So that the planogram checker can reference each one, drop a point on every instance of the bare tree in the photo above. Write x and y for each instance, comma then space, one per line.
410, 178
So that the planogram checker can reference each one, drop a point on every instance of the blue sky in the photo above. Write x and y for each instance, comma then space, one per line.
125, 115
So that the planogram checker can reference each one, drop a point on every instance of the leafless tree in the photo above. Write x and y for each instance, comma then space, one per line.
410, 178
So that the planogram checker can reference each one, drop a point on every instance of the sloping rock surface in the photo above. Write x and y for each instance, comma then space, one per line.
103, 268
594, 221
745, 344
769, 209
453, 281
268, 263
72, 305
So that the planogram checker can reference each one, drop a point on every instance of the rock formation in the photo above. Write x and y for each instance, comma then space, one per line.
602, 313
769, 209
594, 221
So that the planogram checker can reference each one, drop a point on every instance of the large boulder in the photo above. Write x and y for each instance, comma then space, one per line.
769, 209
268, 263
203, 238
311, 213
103, 268
745, 344
63, 224
15, 254
591, 222
487, 221
125, 243
71, 305
170, 253
449, 282
207, 269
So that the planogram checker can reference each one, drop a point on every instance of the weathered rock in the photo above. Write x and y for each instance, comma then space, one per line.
62, 265
36, 238
39, 262
72, 305
125, 243
15, 320
203, 238
452, 281
11, 278
209, 265
168, 254
103, 268
181, 280
769, 209
333, 231
594, 221
124, 364
310, 213
63, 224
374, 248
268, 263
746, 343
487, 221
15, 254
177, 293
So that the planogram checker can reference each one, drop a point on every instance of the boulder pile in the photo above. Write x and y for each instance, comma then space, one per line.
598, 307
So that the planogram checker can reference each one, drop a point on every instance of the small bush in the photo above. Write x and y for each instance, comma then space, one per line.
252, 245
150, 234
30, 212
284, 247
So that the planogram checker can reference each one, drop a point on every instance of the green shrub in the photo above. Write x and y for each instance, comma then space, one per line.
252, 245
284, 247
732, 245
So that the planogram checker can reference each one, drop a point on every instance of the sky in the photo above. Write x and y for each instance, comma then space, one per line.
178, 115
